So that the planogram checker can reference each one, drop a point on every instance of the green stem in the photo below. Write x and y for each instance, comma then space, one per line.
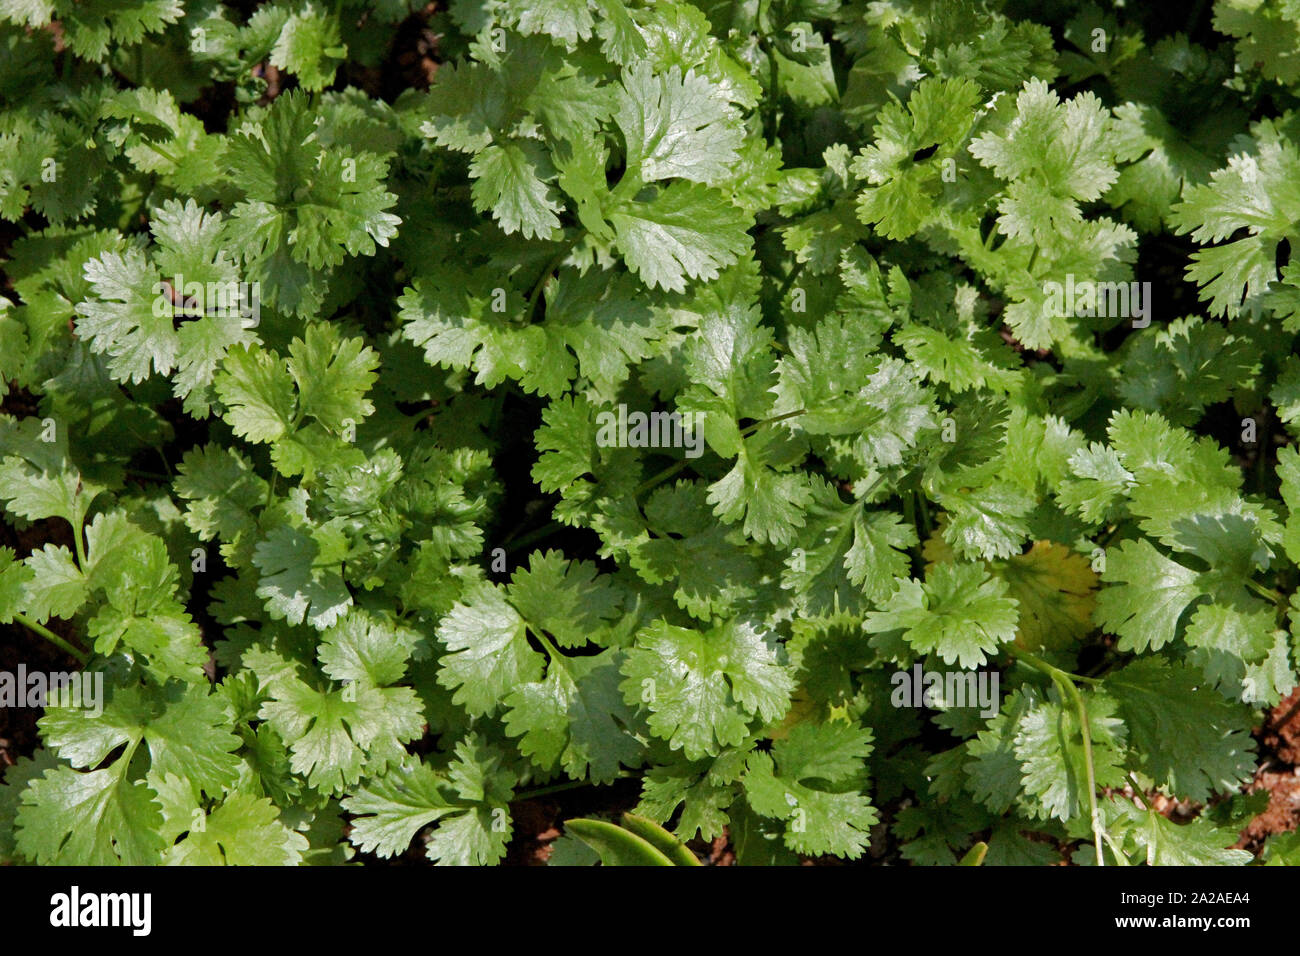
795, 270
163, 153
552, 652
50, 636
750, 429
773, 82
1094, 816
77, 543
677, 466
514, 544
551, 266
546, 791
1039, 664
660, 477
1266, 592
1065, 684
925, 513
1120, 858
561, 787
1261, 453
988, 240
1138, 791
148, 475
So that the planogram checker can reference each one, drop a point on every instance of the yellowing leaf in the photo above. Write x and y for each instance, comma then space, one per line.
934, 549
1055, 588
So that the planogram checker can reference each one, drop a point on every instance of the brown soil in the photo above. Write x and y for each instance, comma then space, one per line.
1278, 773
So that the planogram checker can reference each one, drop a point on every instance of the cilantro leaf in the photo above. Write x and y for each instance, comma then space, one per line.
703, 688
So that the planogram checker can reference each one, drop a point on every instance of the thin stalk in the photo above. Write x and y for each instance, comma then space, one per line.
1041, 665
148, 475
660, 477
514, 544
750, 429
561, 787
925, 513
773, 84
909, 512
166, 464
45, 632
1266, 592
1065, 684
557, 788
1068, 685
550, 268
795, 270
1120, 857
171, 158
677, 466
552, 652
78, 544
1261, 453
1138, 791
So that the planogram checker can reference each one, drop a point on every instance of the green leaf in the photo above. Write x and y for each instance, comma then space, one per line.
1049, 744
1147, 596
391, 810
257, 390
1166, 843
901, 189
300, 579
703, 688
309, 46
1257, 192
688, 231
508, 182
331, 733
488, 652
812, 780
958, 612
575, 718
677, 125
333, 375
1189, 738
38, 479
1055, 154
243, 831
89, 819
184, 728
